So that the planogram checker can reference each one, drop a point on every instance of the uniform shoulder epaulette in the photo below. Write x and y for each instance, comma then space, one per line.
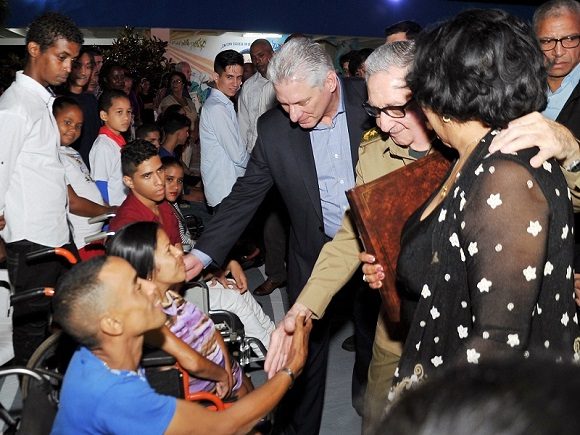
370, 135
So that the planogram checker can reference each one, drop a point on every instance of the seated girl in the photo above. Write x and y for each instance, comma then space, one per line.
146, 246
235, 298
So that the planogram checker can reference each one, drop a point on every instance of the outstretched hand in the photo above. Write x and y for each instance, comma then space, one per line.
282, 337
193, 266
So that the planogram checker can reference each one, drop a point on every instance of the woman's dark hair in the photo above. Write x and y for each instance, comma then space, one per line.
481, 65
62, 103
181, 77
169, 161
136, 243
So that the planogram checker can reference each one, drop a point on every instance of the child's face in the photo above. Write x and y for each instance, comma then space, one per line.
118, 117
173, 182
154, 137
70, 123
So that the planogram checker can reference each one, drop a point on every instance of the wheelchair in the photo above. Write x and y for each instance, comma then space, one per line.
39, 388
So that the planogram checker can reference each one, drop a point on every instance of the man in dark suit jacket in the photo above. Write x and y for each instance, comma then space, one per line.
311, 97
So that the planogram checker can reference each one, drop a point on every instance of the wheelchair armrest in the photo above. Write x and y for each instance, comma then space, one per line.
203, 396
156, 358
231, 319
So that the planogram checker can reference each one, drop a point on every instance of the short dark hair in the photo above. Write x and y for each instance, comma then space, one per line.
483, 64
107, 97
143, 130
136, 243
49, 27
135, 153
63, 102
174, 122
410, 28
227, 58
78, 301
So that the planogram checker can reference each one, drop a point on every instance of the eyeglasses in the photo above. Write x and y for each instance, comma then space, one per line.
570, 41
176, 82
392, 111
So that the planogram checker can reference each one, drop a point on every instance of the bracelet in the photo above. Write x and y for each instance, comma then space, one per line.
291, 374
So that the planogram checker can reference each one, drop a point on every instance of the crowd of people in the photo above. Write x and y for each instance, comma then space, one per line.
485, 273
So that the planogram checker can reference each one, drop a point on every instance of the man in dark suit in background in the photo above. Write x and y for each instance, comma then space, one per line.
307, 147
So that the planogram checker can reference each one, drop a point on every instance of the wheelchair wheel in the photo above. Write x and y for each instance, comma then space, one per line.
52, 356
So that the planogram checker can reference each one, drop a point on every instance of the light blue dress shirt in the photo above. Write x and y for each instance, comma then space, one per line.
558, 98
333, 160
223, 153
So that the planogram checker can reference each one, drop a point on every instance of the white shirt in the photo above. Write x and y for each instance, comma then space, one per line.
256, 97
105, 161
33, 193
78, 177
223, 154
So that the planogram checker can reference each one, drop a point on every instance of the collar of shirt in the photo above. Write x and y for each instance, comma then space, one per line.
216, 93
119, 140
570, 81
557, 99
33, 86
340, 110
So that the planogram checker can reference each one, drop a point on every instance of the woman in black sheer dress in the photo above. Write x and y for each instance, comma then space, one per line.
488, 260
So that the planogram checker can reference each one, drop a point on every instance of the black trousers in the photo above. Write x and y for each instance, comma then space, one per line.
30, 318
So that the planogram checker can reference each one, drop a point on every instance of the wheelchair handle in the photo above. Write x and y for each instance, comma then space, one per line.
101, 218
99, 236
32, 293
62, 252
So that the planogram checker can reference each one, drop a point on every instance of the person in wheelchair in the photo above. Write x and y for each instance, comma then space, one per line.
146, 246
108, 309
145, 176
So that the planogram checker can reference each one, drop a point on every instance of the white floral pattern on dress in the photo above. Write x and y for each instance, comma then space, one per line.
548, 268
473, 356
534, 228
530, 273
472, 249
437, 360
513, 340
494, 200
547, 166
484, 285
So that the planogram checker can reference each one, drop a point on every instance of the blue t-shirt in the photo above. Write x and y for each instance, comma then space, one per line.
98, 400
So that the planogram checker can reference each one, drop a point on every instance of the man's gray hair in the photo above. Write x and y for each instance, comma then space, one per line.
399, 54
554, 8
300, 59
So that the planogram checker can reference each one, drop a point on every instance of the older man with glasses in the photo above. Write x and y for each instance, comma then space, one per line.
557, 26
